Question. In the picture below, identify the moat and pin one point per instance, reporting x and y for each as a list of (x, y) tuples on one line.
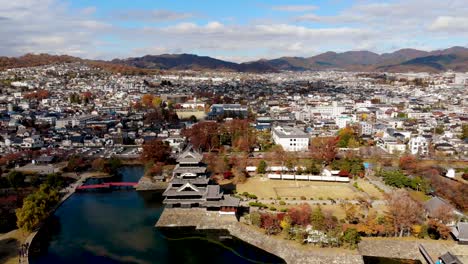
[(118, 227)]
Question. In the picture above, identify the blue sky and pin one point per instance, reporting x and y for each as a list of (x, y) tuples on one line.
[(233, 30)]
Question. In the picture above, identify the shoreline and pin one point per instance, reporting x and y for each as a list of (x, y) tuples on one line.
[(289, 251), (292, 252), (70, 190)]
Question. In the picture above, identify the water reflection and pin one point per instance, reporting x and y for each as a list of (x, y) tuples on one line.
[(118, 227)]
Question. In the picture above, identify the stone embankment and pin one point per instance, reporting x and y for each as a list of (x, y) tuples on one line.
[(290, 251), (407, 248), (146, 184)]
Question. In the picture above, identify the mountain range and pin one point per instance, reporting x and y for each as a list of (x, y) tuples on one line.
[(404, 60)]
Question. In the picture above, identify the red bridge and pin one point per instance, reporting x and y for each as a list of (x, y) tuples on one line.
[(107, 185)]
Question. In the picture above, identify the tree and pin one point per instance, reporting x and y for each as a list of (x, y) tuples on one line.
[(437, 230), (351, 213), (351, 237), (317, 218), (261, 168), (277, 153), (403, 212), (256, 219), (408, 162), (444, 214), (36, 207), (147, 100), (270, 223), (113, 164), (286, 224), (344, 136), (156, 102), (75, 163), (204, 136), (300, 215), (15, 179), (54, 180), (324, 149), (312, 167), (156, 151), (291, 161), (98, 164)]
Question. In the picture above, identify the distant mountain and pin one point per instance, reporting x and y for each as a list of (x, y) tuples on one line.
[(404, 60), (30, 60), (192, 62), (455, 58)]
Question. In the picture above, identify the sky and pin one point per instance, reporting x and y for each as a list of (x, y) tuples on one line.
[(238, 30)]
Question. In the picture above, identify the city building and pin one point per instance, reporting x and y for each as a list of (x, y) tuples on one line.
[(290, 138)]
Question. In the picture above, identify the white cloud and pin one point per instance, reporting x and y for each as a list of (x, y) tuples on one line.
[(52, 26), (449, 24), (294, 8), (156, 15)]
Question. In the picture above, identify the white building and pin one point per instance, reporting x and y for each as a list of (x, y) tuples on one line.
[(290, 138), (365, 128), (74, 121), (344, 120), (34, 141), (328, 110), (418, 145)]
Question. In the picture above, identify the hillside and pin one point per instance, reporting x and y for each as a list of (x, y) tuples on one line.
[(404, 60)]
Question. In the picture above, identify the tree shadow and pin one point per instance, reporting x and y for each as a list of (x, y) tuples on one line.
[(8, 249)]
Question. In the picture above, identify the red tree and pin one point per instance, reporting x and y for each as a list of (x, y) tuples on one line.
[(155, 151), (300, 215), (204, 136), (324, 149), (270, 223)]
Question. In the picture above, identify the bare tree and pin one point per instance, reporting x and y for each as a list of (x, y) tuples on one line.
[(403, 212)]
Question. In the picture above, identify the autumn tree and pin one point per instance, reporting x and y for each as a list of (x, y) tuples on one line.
[(408, 162), (98, 164), (437, 229), (344, 136), (324, 149), (300, 215), (147, 100), (403, 212), (36, 207), (277, 154), (204, 136), (155, 151), (444, 214), (270, 223)]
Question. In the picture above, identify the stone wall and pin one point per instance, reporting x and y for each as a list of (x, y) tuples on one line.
[(290, 251)]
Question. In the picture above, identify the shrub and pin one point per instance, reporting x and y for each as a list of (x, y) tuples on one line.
[(272, 208), (258, 204), (255, 219), (252, 196), (303, 198), (351, 237), (282, 203)]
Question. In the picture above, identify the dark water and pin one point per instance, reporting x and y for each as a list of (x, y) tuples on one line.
[(118, 227)]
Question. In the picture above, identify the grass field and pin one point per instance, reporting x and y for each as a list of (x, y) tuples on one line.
[(266, 189), (370, 189)]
